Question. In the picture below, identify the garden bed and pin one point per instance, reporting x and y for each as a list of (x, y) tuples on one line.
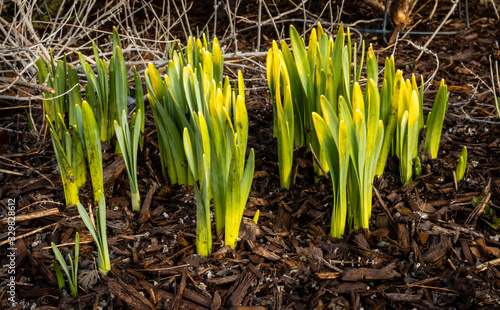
[(428, 243)]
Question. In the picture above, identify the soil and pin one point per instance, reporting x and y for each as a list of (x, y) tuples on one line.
[(429, 245)]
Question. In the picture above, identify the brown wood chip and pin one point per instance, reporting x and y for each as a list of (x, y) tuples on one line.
[(347, 287), (217, 302), (112, 171), (403, 236), (403, 297), (438, 249), (361, 274), (180, 292), (223, 280), (261, 251), (128, 294), (145, 212), (239, 289), (197, 297), (167, 298), (327, 275)]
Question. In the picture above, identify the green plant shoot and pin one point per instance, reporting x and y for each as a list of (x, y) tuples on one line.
[(106, 91), (220, 137), (333, 137), (73, 275), (461, 165), (168, 119), (68, 147), (390, 94), (87, 121), (59, 275), (98, 232), (65, 168), (284, 127), (408, 131), (128, 140), (256, 217), (417, 166), (139, 105), (56, 77), (435, 121), (365, 132), (199, 164)]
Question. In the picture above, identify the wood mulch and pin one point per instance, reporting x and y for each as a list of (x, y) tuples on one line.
[(429, 246)]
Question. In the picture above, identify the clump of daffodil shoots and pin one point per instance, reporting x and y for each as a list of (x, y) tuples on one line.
[(67, 138), (202, 128), (107, 94), (173, 99), (318, 100), (106, 98)]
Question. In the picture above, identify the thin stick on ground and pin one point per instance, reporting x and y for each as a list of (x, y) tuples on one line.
[(17, 81), (232, 22), (424, 49), (32, 216), (495, 98), (35, 231), (185, 15), (272, 20), (27, 167), (180, 20), (495, 8), (259, 26), (339, 15)]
